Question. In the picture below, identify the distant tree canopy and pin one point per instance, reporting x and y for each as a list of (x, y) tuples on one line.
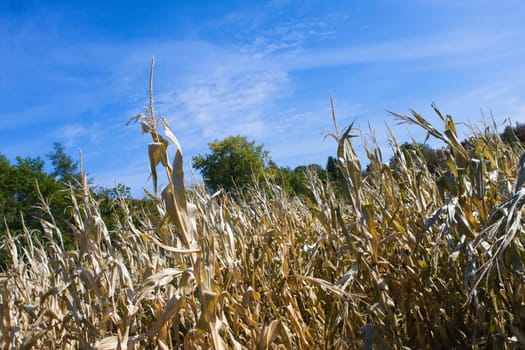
[(434, 158), (294, 181), (65, 168), (513, 134), (332, 169), (231, 162), (234, 161), (18, 189), (19, 196)]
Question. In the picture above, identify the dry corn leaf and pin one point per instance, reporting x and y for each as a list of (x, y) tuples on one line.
[(271, 332), (108, 343), (172, 307), (159, 279), (170, 248), (157, 154)]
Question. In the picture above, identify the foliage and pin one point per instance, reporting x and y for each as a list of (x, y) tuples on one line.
[(332, 169), (65, 168), (514, 134), (18, 190), (25, 184), (119, 191), (434, 160), (294, 182), (232, 162), (400, 261)]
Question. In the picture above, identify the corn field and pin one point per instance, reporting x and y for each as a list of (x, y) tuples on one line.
[(398, 258)]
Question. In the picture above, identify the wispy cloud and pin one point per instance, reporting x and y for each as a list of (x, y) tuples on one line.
[(72, 134), (458, 48), (231, 102)]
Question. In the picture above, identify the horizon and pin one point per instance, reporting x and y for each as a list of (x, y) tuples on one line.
[(263, 70)]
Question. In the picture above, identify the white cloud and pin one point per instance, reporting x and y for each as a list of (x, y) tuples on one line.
[(225, 102), (236, 91), (451, 47), (71, 133)]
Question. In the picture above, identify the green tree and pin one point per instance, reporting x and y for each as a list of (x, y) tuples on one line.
[(18, 193), (279, 176), (299, 179), (110, 205), (7, 195), (435, 159), (332, 169), (116, 192), (65, 168), (295, 182), (514, 134), (231, 162)]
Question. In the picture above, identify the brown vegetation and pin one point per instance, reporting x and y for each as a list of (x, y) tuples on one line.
[(416, 259)]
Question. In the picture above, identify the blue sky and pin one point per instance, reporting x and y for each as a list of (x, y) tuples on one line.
[(77, 71)]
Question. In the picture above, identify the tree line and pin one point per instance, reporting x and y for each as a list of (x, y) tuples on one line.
[(231, 164), (236, 162), (25, 183)]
